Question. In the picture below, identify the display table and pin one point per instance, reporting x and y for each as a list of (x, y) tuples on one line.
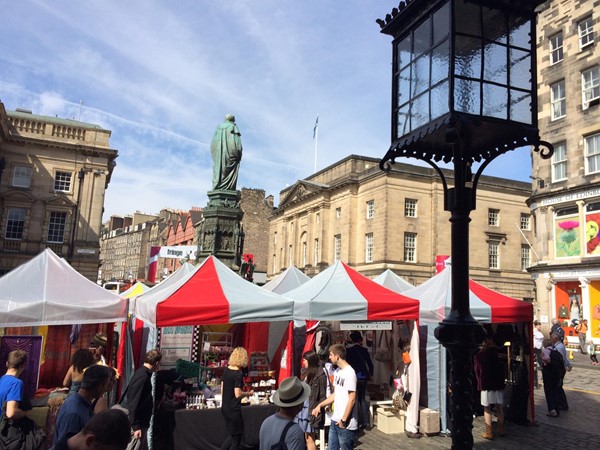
[(204, 429)]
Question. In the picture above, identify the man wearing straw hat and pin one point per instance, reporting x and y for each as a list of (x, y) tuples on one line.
[(280, 427)]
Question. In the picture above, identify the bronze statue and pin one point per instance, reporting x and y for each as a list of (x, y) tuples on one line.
[(226, 150)]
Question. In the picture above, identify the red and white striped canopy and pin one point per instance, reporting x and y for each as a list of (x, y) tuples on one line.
[(341, 293), (211, 294), (487, 306)]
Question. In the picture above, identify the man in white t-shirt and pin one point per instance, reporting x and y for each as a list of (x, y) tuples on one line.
[(344, 423)]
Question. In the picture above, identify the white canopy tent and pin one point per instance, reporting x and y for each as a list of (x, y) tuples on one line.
[(46, 290)]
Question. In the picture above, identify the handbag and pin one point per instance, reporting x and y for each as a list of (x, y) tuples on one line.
[(383, 353)]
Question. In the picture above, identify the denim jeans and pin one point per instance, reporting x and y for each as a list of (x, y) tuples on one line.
[(341, 438)]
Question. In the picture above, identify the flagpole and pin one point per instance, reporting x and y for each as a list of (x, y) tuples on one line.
[(316, 138)]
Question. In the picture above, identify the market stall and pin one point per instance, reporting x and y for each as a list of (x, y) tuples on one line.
[(394, 282), (209, 295), (487, 307), (340, 293)]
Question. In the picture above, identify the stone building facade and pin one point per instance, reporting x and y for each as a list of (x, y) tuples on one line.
[(565, 201), (125, 244), (373, 221), (257, 211), (53, 177)]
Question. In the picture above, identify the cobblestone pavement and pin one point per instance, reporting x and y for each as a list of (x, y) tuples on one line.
[(577, 428)]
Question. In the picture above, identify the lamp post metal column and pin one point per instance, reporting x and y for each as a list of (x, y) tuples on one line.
[(463, 93)]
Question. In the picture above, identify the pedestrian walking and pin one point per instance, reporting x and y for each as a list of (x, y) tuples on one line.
[(581, 330), (360, 360), (592, 352), (490, 375), (313, 375), (557, 344), (552, 366), (557, 328), (538, 341)]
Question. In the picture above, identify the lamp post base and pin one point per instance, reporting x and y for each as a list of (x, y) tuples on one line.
[(461, 337)]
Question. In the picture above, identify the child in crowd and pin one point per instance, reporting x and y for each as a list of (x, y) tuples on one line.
[(592, 352)]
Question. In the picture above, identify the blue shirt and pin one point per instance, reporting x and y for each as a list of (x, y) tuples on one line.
[(11, 389), (73, 415)]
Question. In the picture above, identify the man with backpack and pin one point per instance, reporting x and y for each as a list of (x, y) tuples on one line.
[(279, 432)]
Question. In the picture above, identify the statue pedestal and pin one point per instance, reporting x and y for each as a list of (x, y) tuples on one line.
[(220, 233)]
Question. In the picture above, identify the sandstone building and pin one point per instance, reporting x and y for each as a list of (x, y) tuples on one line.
[(53, 177), (565, 201), (373, 221)]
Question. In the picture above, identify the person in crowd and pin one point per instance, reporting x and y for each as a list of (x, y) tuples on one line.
[(140, 402), (81, 360), (581, 329), (344, 423), (360, 360), (11, 387), (551, 373), (538, 342), (107, 430), (232, 392), (490, 374), (78, 409), (557, 328), (558, 345), (314, 375), (98, 346), (290, 397), (592, 352)]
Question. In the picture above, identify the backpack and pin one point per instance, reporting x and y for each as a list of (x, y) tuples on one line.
[(557, 361), (281, 444)]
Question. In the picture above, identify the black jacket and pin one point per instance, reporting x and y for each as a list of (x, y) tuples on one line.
[(139, 398)]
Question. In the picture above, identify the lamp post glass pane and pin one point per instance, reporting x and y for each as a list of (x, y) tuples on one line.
[(422, 72)]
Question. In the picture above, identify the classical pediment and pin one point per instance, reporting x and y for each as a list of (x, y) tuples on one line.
[(300, 190)]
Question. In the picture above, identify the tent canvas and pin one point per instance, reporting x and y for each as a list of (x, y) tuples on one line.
[(341, 293), (289, 279), (392, 281), (435, 295), (211, 294), (46, 290)]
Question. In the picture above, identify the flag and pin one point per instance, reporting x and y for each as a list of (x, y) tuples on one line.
[(316, 127)]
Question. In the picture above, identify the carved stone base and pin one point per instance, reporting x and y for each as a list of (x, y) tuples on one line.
[(220, 233)]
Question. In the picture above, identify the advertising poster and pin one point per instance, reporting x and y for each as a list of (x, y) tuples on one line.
[(594, 313), (566, 232), (568, 306), (592, 238), (176, 343)]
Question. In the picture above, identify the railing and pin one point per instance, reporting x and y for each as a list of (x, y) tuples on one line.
[(11, 246), (28, 126), (64, 131), (56, 248)]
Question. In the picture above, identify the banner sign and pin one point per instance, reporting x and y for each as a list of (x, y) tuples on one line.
[(179, 252), (366, 325)]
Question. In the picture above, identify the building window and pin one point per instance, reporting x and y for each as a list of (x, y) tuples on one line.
[(337, 247), (558, 100), (56, 227), (556, 48), (369, 247), (525, 221), (494, 254), (592, 153), (525, 257), (586, 32), (559, 162), (62, 181), (370, 209), (15, 223), (275, 238), (316, 253), (410, 247), (275, 263), (338, 213), (21, 176), (493, 217), (304, 255), (318, 218), (590, 87), (291, 257), (410, 207)]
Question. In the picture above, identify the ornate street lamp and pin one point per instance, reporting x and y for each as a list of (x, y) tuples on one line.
[(463, 92)]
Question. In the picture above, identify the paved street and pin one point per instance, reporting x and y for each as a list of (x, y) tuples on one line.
[(574, 429)]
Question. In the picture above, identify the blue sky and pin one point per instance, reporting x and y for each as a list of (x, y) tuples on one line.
[(162, 75)]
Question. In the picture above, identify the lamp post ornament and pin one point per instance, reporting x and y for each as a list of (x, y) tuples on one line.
[(463, 92)]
